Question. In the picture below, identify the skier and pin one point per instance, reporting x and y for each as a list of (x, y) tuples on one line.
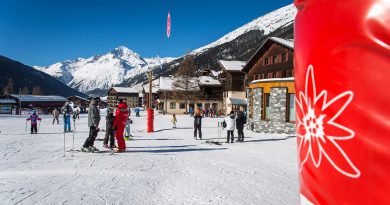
[(121, 116), (137, 110), (77, 112), (190, 111), (56, 115), (67, 111), (110, 134), (230, 121), (93, 123), (198, 124), (174, 121), (34, 120), (128, 124), (240, 121)]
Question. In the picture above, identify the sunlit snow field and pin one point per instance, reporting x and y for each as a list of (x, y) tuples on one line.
[(165, 167)]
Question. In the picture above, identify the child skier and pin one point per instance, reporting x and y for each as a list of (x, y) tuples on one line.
[(34, 119), (174, 121), (67, 111), (109, 130), (128, 136)]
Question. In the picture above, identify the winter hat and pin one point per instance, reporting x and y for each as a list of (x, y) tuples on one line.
[(34, 111)]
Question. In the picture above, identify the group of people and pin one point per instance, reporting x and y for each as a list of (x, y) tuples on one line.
[(115, 127), (206, 112), (230, 123)]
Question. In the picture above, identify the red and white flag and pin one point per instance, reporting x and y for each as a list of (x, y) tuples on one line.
[(169, 24)]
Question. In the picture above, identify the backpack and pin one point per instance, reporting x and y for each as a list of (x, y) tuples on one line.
[(224, 124)]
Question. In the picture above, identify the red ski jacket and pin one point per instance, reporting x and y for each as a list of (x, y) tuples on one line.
[(121, 115)]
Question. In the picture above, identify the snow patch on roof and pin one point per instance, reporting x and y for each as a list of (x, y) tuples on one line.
[(286, 42), (208, 80), (233, 65), (125, 90)]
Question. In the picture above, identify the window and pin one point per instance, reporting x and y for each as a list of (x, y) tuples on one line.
[(265, 61), (266, 107), (289, 73), (182, 106), (274, 75), (172, 105), (284, 57), (291, 108), (274, 59), (284, 74)]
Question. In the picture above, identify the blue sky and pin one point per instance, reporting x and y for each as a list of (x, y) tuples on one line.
[(43, 32)]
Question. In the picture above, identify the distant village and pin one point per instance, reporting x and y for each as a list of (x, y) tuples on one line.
[(263, 88)]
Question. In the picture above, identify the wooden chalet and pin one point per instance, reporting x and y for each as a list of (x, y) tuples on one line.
[(270, 87)]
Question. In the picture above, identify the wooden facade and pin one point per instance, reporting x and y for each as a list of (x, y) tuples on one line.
[(272, 60), (271, 87)]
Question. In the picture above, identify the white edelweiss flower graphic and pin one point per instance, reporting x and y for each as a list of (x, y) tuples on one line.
[(317, 130)]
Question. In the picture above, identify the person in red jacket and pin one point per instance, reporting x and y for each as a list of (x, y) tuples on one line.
[(119, 125)]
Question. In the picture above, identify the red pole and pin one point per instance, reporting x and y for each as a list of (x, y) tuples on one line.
[(150, 120)]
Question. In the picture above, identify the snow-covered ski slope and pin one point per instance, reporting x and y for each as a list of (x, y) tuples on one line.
[(166, 167)]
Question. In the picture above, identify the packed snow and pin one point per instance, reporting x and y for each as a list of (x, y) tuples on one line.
[(164, 167)]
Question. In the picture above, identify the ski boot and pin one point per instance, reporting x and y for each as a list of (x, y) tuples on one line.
[(93, 149), (85, 149)]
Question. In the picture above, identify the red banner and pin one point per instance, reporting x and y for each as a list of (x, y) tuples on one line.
[(342, 69)]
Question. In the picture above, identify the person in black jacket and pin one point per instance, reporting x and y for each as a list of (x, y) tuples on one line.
[(198, 125), (109, 130), (240, 121)]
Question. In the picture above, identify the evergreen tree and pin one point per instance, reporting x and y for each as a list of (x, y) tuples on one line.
[(9, 88), (25, 91), (37, 90)]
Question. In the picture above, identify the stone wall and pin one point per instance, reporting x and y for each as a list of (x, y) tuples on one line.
[(277, 122)]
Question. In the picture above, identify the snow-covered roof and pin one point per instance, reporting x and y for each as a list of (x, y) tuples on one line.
[(215, 73), (167, 83), (232, 65), (286, 42), (125, 90), (39, 98), (155, 90), (208, 80), (273, 80), (238, 101), (7, 101)]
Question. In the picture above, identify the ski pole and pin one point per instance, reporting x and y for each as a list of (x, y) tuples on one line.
[(25, 129), (64, 143), (74, 130), (39, 124)]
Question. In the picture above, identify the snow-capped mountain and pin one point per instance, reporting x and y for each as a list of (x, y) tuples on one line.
[(239, 44), (102, 71), (125, 67), (267, 23)]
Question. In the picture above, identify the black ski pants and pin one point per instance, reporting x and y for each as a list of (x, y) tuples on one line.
[(33, 128), (109, 135), (199, 130), (240, 134), (91, 138)]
